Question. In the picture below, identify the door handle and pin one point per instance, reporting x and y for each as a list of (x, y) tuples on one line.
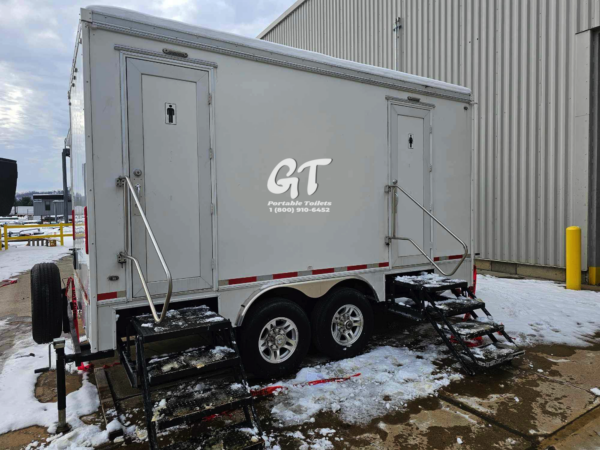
[(138, 188)]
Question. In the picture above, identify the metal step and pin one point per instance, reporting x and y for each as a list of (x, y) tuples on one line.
[(407, 308), (179, 323), (450, 307), (228, 438), (472, 329), (428, 283), (191, 401), (175, 366), (492, 354)]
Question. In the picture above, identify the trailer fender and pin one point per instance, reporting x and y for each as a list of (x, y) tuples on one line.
[(312, 289)]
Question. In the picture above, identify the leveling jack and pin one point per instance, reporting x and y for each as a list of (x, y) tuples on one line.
[(62, 359)]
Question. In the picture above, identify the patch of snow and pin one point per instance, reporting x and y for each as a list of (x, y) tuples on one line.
[(541, 311), (20, 258), (113, 426), (326, 431), (389, 378), (459, 441), (595, 391), (82, 437)]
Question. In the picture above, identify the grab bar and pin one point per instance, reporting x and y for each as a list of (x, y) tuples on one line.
[(121, 181), (393, 186)]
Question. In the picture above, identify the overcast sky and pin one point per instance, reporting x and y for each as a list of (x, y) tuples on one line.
[(37, 39)]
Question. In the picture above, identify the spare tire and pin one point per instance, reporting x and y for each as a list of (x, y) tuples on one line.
[(46, 303)]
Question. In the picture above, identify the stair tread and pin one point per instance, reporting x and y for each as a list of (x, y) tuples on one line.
[(493, 354), (455, 306), (227, 438), (187, 363), (179, 320), (196, 399), (475, 328), (429, 282)]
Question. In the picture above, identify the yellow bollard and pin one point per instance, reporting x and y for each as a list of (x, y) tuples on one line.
[(62, 234), (574, 258), (5, 237)]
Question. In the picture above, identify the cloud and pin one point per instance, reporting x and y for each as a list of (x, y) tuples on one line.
[(38, 38)]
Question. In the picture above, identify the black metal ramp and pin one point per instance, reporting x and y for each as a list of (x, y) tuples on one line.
[(440, 301), (194, 385)]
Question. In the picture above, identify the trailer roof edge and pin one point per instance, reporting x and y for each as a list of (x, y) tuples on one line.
[(130, 22)]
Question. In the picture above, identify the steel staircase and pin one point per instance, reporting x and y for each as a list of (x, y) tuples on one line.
[(193, 385), (422, 298)]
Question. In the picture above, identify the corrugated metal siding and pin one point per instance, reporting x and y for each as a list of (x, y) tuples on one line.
[(517, 57)]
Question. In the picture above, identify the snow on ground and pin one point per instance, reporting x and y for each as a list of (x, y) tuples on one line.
[(20, 258), (541, 311), (17, 386), (389, 378), (20, 409)]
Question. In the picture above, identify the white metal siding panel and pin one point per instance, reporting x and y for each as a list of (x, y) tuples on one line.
[(517, 56)]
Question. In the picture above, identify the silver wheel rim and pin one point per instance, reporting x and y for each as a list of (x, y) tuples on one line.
[(278, 340), (347, 325)]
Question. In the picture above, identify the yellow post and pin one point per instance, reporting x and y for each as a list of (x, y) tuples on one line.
[(574, 258), (5, 237), (62, 234)]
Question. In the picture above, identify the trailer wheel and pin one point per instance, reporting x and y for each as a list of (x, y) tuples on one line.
[(46, 303), (275, 338), (342, 323)]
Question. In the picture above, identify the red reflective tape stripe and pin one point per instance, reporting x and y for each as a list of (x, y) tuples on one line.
[(384, 264), (359, 267), (455, 257), (107, 296), (87, 250), (243, 280), (279, 276), (322, 271), (437, 258)]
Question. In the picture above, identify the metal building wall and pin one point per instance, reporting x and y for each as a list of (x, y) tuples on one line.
[(518, 58)]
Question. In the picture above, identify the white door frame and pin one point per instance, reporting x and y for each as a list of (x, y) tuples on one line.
[(409, 108), (210, 67)]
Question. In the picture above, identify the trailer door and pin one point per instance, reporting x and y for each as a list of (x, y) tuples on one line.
[(169, 164), (411, 167)]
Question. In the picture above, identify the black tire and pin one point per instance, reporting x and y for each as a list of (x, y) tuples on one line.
[(46, 303), (322, 318), (253, 326)]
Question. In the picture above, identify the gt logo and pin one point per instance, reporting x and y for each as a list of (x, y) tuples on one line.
[(282, 185)]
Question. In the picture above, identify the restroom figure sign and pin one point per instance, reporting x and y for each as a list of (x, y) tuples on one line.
[(170, 113)]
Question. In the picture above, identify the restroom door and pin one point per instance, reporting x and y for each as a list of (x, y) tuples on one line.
[(169, 144), (411, 167)]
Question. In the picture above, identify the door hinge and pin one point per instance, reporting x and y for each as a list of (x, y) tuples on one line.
[(211, 153), (212, 208), (430, 168), (214, 263), (210, 99)]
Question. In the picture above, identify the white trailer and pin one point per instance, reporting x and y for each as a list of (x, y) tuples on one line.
[(220, 181), (262, 171)]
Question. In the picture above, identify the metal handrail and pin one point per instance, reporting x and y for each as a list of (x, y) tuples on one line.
[(393, 186), (124, 256)]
